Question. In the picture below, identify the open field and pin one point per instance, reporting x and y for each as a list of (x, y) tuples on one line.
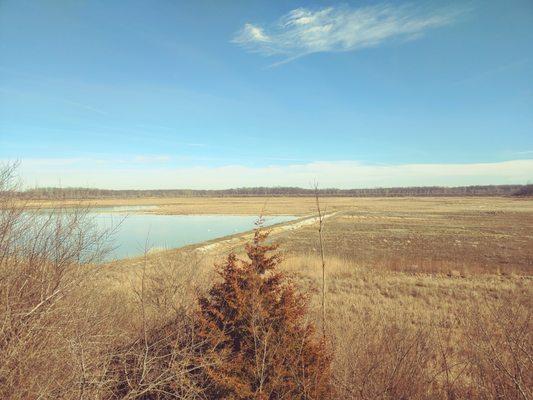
[(306, 205), (424, 296), (425, 299), (212, 205), (446, 235), (443, 283), (431, 235)]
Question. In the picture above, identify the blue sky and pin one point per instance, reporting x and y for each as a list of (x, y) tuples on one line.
[(145, 94)]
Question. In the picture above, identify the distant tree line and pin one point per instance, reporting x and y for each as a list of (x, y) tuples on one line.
[(524, 190), (421, 191)]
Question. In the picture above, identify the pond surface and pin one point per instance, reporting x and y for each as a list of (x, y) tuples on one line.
[(134, 229)]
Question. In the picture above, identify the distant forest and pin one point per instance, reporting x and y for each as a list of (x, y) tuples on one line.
[(88, 193)]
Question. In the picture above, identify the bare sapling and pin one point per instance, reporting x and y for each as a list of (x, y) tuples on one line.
[(323, 261)]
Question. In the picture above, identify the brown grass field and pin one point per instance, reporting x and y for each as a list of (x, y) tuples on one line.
[(443, 235), (304, 205), (429, 277), (426, 298)]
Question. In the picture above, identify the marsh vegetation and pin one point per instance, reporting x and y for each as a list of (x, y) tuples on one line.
[(425, 299)]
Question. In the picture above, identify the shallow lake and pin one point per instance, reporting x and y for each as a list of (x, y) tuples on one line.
[(134, 229)]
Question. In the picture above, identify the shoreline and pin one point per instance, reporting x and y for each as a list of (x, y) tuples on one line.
[(223, 244)]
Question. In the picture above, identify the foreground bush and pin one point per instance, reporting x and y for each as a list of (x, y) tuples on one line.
[(255, 322), (51, 329)]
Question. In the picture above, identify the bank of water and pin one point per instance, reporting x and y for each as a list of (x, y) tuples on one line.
[(135, 230)]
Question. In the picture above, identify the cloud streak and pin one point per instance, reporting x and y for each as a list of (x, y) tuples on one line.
[(340, 174), (339, 29)]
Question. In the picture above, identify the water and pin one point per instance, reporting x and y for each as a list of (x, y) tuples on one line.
[(133, 230)]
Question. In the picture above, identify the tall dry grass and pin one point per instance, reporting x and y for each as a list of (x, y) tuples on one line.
[(422, 336)]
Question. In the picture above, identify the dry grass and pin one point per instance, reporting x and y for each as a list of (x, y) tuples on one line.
[(216, 205), (420, 336), (434, 236), (426, 299), (479, 206), (457, 236)]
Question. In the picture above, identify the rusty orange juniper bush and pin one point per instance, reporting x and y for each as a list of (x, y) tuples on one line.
[(254, 320)]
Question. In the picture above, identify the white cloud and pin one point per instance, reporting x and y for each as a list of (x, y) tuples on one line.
[(303, 31), (254, 34), (341, 174)]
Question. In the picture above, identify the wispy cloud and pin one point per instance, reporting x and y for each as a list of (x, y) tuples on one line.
[(335, 29)]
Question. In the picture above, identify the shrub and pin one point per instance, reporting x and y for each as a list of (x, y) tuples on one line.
[(253, 326), (50, 328)]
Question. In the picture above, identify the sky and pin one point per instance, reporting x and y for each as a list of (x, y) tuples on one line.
[(210, 94)]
